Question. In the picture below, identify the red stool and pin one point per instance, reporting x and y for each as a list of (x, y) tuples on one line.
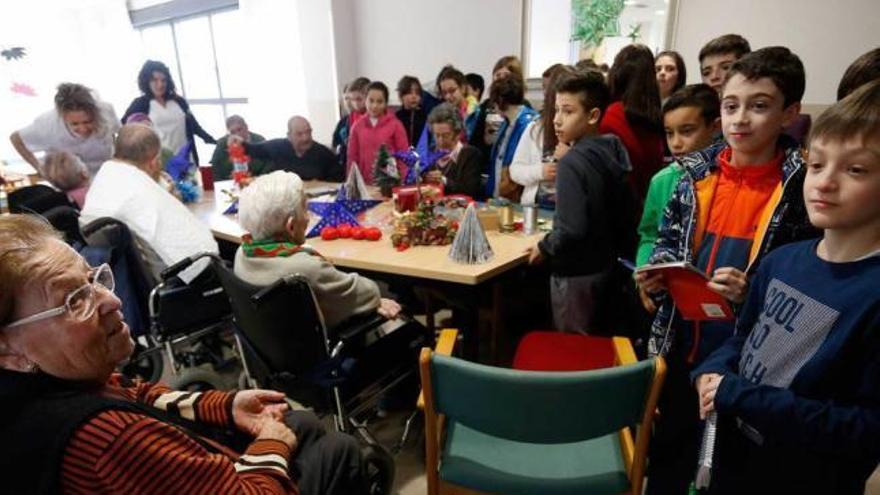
[(558, 351)]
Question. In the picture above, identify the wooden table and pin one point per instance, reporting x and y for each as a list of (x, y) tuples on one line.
[(425, 263)]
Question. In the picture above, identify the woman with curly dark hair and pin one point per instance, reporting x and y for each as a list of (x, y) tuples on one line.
[(168, 111), (79, 124)]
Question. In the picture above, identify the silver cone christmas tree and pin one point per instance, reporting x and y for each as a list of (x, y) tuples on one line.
[(354, 186), (470, 245)]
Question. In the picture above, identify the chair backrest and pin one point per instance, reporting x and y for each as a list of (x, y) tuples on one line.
[(36, 199), (133, 280), (281, 323), (541, 407), (65, 219)]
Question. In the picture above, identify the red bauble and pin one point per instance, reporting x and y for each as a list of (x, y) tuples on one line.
[(373, 234)]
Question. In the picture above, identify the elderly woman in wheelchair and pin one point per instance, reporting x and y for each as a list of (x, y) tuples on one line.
[(71, 424), (273, 210)]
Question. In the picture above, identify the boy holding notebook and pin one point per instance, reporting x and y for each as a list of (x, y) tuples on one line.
[(796, 389), (735, 203)]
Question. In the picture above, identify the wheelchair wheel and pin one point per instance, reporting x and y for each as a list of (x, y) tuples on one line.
[(147, 366), (378, 470), (196, 380)]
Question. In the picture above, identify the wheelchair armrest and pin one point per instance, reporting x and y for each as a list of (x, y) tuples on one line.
[(357, 325), (185, 263), (269, 290)]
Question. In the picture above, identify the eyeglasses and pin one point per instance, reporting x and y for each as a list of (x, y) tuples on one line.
[(81, 303)]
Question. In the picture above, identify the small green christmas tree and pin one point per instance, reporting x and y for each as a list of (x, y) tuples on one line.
[(385, 173)]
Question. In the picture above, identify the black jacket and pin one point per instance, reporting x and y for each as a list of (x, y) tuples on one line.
[(595, 210), (413, 122), (318, 163), (141, 104)]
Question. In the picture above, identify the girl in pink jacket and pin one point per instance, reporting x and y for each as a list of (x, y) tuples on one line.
[(379, 127)]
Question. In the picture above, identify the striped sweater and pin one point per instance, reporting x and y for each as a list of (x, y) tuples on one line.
[(127, 452)]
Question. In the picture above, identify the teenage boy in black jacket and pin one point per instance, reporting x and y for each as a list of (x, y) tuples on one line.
[(594, 220)]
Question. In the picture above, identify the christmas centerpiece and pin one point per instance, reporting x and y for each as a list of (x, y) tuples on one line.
[(422, 227)]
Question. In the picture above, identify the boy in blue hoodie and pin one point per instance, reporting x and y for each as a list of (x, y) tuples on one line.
[(594, 221), (737, 201), (797, 388)]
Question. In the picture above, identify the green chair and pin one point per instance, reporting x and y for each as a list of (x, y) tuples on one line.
[(510, 431)]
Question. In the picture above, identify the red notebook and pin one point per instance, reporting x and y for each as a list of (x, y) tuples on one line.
[(687, 286)]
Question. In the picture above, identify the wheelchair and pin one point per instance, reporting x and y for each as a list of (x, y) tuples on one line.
[(285, 345), (185, 323)]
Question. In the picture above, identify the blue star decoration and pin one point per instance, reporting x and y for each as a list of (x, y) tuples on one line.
[(338, 212), (415, 164)]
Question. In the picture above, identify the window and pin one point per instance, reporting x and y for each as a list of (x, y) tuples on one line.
[(640, 21), (201, 52)]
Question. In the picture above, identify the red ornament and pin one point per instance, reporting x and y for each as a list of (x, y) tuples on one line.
[(344, 230), (358, 233), (373, 234), (329, 233), (237, 154)]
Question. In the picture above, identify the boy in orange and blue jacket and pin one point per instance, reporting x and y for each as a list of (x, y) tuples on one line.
[(737, 201)]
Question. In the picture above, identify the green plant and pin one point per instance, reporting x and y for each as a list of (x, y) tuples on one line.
[(594, 20), (635, 32)]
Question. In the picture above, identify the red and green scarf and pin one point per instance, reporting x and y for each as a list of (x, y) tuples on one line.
[(273, 248)]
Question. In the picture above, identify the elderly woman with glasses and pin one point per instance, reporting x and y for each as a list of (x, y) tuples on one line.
[(458, 171), (70, 424)]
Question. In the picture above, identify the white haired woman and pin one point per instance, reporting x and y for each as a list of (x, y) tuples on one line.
[(69, 424), (273, 210), (68, 174)]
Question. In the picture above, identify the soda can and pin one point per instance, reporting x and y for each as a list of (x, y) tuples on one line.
[(530, 219)]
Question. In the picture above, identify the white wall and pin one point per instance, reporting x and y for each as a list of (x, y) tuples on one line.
[(344, 39), (826, 35), (390, 38), (549, 35)]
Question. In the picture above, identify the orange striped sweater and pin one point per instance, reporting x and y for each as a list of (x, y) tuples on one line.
[(128, 452)]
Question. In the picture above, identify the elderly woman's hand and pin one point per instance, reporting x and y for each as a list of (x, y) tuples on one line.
[(389, 308), (250, 407), (271, 429)]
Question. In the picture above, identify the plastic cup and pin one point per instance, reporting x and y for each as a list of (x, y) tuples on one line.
[(207, 178)]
